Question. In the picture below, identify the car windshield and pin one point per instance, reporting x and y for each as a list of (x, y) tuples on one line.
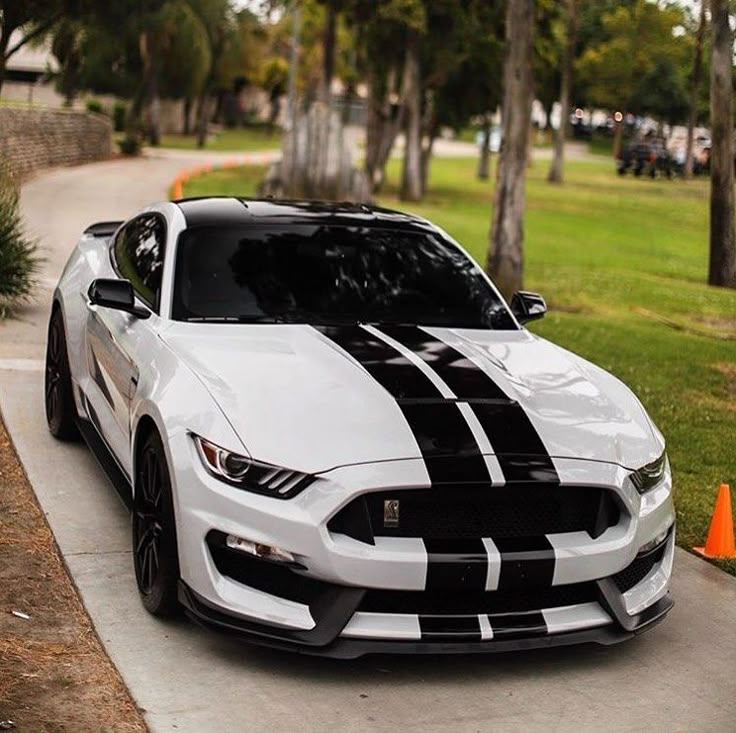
[(330, 274)]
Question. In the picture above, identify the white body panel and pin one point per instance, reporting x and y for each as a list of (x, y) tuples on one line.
[(267, 377)]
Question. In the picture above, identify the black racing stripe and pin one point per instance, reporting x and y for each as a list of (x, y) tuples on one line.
[(526, 562), (459, 373), (459, 565), (520, 450), (450, 628), (389, 367), (515, 441), (447, 444), (518, 625)]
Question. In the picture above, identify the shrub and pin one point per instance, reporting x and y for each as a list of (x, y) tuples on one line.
[(19, 261), (118, 116), (130, 145), (94, 105)]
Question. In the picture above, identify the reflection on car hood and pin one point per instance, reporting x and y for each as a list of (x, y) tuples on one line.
[(297, 398)]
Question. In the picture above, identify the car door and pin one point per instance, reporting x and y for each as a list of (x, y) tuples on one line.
[(116, 340)]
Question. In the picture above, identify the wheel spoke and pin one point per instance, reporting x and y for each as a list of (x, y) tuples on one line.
[(154, 552), (143, 539)]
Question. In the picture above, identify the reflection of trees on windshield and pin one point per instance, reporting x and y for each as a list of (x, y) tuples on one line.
[(317, 272)]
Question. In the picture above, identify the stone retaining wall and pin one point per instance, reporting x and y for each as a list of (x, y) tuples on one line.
[(31, 139)]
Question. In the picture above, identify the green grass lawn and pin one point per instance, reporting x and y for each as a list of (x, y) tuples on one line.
[(246, 138), (622, 263)]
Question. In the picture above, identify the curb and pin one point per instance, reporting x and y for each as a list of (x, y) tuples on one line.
[(176, 188)]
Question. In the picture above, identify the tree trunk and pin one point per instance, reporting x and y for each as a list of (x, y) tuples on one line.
[(328, 52), (427, 157), (383, 122), (186, 126), (695, 91), (151, 103), (505, 262), (347, 103), (411, 177), (202, 105), (558, 157), (722, 266), (154, 104), (484, 159), (618, 136)]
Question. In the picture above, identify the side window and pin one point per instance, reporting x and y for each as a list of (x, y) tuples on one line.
[(139, 256)]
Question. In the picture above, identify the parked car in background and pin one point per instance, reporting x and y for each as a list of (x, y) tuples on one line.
[(649, 158)]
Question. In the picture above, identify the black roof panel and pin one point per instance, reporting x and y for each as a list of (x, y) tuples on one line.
[(228, 210)]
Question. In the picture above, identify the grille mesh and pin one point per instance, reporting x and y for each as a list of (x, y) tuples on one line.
[(460, 512), (638, 570)]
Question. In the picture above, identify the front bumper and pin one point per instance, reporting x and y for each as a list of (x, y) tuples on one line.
[(339, 646), (355, 597)]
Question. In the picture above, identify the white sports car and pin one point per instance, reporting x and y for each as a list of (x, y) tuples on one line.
[(335, 436)]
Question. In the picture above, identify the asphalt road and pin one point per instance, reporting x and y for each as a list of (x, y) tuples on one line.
[(681, 676)]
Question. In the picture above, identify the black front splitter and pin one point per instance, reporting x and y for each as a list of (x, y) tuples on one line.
[(215, 619)]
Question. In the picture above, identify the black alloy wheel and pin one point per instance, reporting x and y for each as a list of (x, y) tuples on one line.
[(154, 531), (58, 395)]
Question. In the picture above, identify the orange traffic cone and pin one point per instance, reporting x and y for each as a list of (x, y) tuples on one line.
[(720, 541)]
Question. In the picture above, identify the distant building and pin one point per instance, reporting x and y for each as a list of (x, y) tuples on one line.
[(28, 73)]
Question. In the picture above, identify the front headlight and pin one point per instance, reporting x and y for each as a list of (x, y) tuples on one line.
[(245, 473), (647, 477)]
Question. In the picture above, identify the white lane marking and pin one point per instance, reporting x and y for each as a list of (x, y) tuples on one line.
[(415, 359), (486, 632), (22, 365), (494, 564), (492, 464)]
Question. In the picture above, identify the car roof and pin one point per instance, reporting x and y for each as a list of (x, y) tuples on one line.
[(231, 210)]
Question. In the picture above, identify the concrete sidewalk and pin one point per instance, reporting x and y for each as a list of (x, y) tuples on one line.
[(678, 677)]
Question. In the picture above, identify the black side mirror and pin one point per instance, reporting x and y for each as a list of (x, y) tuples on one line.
[(528, 306), (115, 294)]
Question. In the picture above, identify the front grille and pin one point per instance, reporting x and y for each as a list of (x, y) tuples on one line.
[(639, 569), (488, 602), (460, 512)]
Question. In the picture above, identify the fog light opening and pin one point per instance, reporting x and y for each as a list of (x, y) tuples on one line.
[(261, 551), (655, 543)]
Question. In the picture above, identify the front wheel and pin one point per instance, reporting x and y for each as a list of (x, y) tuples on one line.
[(58, 396), (155, 554)]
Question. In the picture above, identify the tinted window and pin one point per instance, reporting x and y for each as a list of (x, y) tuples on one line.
[(139, 256), (317, 274)]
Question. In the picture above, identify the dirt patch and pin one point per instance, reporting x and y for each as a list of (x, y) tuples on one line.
[(719, 323), (729, 371), (567, 307), (54, 674)]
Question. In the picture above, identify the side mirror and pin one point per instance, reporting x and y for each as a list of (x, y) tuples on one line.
[(115, 294), (528, 306)]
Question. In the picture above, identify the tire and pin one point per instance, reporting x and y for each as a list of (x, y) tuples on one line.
[(61, 412), (155, 553)]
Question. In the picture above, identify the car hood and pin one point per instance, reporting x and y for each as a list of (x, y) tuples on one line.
[(296, 399)]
